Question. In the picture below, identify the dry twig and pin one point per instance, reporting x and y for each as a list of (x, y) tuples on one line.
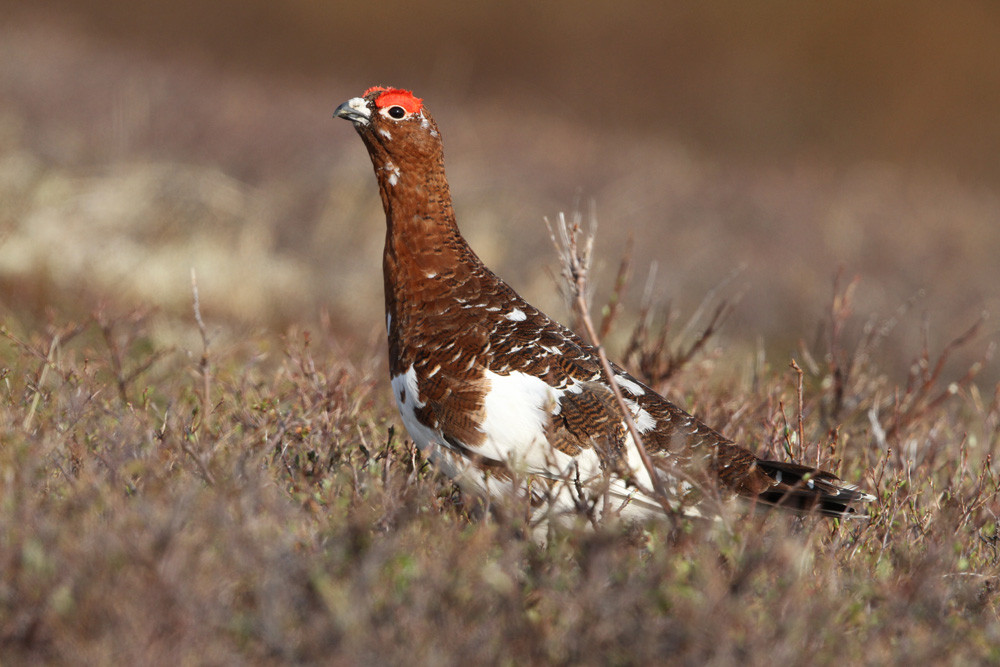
[(204, 367), (576, 262)]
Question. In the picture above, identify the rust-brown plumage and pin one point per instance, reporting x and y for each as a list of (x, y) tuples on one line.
[(493, 390)]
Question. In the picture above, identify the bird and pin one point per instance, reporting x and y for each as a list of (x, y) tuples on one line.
[(509, 403)]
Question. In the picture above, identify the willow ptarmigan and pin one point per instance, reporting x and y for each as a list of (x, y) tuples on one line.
[(505, 400)]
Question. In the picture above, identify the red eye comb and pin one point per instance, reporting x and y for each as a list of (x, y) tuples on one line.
[(396, 97)]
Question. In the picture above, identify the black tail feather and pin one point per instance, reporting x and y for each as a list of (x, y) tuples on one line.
[(810, 491)]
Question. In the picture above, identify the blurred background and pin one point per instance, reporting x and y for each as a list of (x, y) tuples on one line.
[(140, 140)]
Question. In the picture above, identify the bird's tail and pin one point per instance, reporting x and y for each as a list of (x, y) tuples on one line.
[(811, 491)]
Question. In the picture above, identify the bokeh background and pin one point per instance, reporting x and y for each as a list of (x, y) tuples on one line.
[(796, 140)]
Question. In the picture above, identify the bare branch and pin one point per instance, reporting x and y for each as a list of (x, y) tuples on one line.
[(575, 268), (204, 367)]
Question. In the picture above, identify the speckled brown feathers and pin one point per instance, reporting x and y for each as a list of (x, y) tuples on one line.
[(493, 390)]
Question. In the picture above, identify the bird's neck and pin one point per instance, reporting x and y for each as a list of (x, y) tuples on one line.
[(418, 212), (425, 255)]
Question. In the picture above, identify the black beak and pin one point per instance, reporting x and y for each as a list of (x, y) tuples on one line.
[(354, 110)]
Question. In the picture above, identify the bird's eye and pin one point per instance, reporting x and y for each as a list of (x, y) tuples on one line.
[(396, 112)]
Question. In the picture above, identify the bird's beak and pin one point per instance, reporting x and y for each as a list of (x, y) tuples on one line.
[(354, 110)]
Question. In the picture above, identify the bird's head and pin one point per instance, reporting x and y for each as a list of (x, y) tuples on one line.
[(393, 124)]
